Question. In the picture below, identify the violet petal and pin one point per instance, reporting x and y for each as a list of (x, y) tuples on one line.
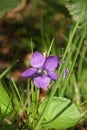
[(53, 75), (42, 81), (29, 73), (51, 63), (37, 60)]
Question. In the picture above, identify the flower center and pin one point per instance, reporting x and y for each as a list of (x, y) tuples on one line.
[(42, 71)]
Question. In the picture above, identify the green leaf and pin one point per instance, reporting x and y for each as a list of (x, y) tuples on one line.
[(61, 113), (6, 5), (75, 7), (5, 101)]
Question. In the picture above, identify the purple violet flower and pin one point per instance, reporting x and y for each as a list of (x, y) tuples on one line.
[(42, 69)]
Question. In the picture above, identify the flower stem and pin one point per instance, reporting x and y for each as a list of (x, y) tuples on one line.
[(28, 99), (50, 47)]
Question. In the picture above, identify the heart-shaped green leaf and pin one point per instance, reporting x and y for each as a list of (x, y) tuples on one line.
[(60, 114)]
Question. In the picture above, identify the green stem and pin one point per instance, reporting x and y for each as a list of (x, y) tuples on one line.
[(31, 46), (37, 95), (16, 89), (42, 34), (33, 103), (67, 60), (84, 102), (73, 33), (50, 47), (84, 49), (8, 69), (28, 99)]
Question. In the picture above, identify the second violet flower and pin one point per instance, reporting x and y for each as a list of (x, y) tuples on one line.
[(42, 69)]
